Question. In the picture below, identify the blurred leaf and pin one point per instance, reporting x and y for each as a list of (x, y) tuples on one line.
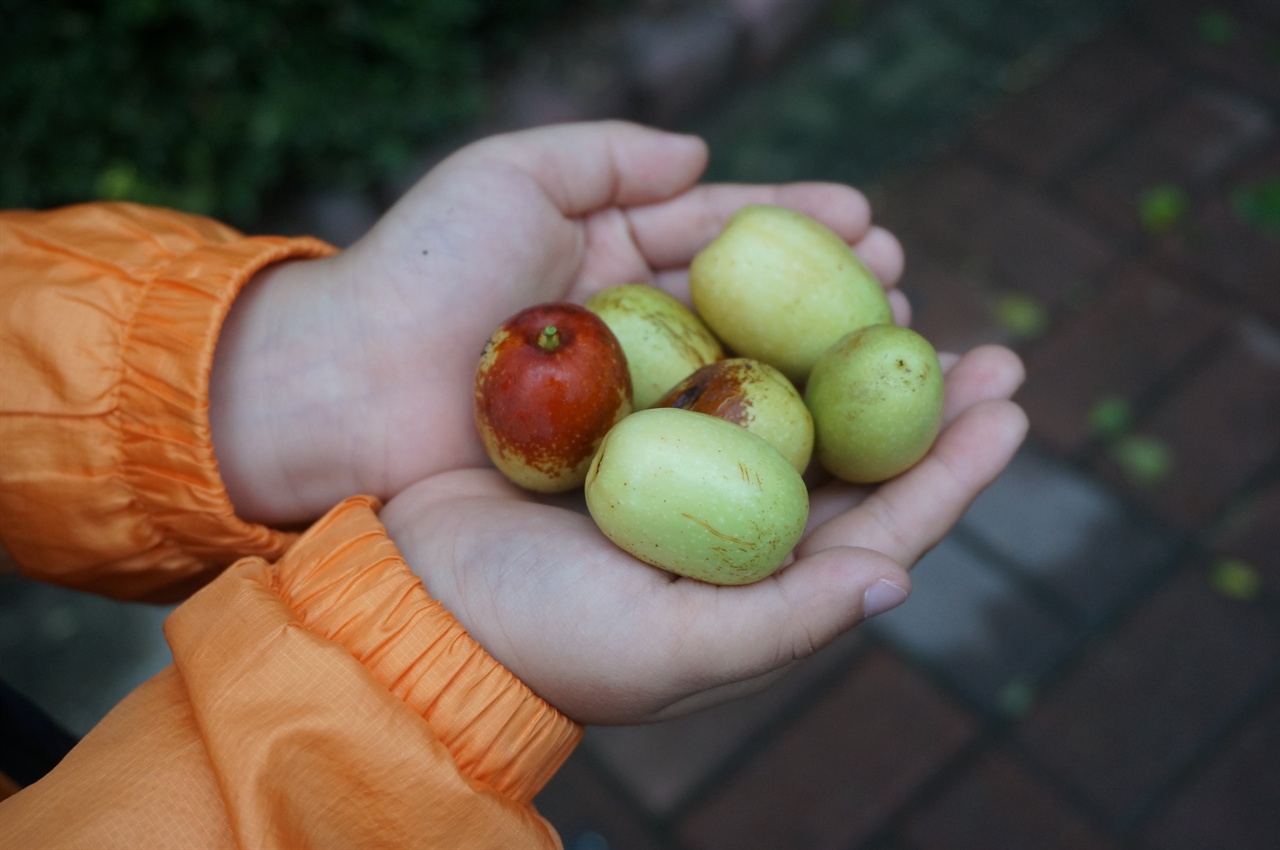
[(1216, 27), (1259, 204), (1145, 461), (1162, 208), (1235, 579), (1111, 416), (1021, 315)]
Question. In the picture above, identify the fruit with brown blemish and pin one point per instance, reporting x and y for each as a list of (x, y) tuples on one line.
[(697, 496), (663, 339), (779, 286), (754, 395), (876, 400), (551, 382)]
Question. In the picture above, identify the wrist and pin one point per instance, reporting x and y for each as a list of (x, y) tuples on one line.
[(274, 400)]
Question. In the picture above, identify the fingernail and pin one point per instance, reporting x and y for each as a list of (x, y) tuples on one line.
[(882, 596)]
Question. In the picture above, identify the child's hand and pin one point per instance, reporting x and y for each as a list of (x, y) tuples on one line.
[(354, 374), (609, 640)]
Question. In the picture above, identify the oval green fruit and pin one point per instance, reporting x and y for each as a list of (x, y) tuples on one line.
[(697, 496), (779, 286), (756, 396), (876, 400), (663, 339)]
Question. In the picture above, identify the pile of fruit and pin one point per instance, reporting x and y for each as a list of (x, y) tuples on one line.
[(691, 459)]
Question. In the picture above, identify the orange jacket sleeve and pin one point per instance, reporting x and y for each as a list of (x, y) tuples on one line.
[(318, 696)]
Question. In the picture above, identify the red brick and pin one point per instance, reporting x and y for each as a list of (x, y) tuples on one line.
[(1221, 425), (1235, 801), (832, 778), (1141, 702), (998, 804), (1252, 534), (951, 304), (1129, 337), (1193, 141), (660, 764), (1246, 58), (1239, 257), (1023, 239), (1075, 109)]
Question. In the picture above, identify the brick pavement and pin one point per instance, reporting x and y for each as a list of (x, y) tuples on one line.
[(1092, 659)]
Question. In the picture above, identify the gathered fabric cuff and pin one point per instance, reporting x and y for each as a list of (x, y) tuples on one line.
[(345, 581), (110, 314)]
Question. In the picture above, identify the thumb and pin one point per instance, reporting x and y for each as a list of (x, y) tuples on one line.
[(759, 628)]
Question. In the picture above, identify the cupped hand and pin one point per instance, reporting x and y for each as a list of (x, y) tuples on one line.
[(610, 640), (354, 374)]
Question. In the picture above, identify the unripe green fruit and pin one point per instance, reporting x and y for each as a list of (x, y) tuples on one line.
[(876, 400), (696, 495), (779, 286), (663, 339)]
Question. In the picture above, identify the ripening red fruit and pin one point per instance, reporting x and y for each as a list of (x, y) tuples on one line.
[(551, 383)]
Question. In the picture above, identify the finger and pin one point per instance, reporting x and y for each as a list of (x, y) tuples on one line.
[(906, 516), (670, 233), (753, 630), (901, 307), (882, 253), (588, 166), (984, 373)]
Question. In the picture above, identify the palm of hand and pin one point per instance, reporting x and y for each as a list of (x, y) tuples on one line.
[(607, 639)]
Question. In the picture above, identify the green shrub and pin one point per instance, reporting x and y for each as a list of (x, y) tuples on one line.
[(212, 105)]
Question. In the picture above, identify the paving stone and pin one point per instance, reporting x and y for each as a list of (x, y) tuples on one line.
[(1251, 534), (1234, 38), (998, 805), (1069, 532), (662, 763), (589, 815), (1235, 801), (1026, 241), (1238, 256), (1220, 427), (1131, 335), (1141, 702), (951, 305), (1192, 142), (974, 627), (75, 654), (831, 779), (1053, 124)]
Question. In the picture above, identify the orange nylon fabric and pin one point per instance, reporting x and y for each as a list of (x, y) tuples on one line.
[(321, 700), (110, 314)]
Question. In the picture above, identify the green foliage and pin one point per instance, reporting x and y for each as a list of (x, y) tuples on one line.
[(210, 105)]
